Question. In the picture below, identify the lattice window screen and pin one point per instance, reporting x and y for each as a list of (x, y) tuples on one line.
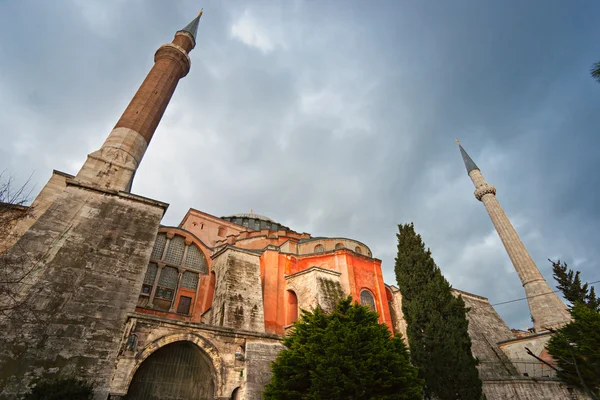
[(195, 260), (159, 246), (150, 274), (168, 278), (175, 250), (189, 280)]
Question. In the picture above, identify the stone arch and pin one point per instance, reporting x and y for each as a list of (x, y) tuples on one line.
[(203, 344)]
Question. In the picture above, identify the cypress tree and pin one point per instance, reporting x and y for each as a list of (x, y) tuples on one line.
[(436, 323), (346, 354), (576, 346)]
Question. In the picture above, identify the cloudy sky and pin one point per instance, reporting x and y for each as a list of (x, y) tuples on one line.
[(334, 118)]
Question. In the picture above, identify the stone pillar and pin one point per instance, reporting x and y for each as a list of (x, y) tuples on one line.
[(546, 308)]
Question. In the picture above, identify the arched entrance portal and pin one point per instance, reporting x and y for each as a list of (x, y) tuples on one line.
[(178, 370)]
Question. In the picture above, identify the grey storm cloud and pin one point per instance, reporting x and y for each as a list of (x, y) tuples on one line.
[(333, 118)]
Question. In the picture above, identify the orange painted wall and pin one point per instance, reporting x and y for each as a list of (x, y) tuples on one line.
[(362, 272)]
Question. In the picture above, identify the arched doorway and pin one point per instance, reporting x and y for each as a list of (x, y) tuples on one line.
[(178, 370)]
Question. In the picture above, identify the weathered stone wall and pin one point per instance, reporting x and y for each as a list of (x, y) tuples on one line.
[(486, 329), (530, 389), (248, 373), (516, 351), (89, 251), (238, 301), (316, 287), (259, 355), (53, 188), (398, 321)]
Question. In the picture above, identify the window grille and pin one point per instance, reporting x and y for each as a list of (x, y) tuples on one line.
[(358, 250), (339, 246), (366, 299), (195, 260), (319, 248), (189, 280), (150, 274), (175, 250), (159, 246), (168, 277)]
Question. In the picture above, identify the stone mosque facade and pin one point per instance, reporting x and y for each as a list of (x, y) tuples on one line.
[(198, 310)]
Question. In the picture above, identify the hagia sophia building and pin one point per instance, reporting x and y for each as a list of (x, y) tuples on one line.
[(199, 310)]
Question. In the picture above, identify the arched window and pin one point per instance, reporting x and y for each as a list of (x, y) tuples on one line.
[(339, 246), (357, 250), (319, 248), (221, 231), (366, 299), (292, 308), (173, 274)]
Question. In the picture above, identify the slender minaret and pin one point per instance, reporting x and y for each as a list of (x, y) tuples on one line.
[(114, 164), (546, 308)]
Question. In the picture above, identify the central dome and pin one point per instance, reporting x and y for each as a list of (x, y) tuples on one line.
[(255, 222), (251, 215)]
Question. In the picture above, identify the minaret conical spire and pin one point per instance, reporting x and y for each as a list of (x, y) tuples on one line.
[(469, 163), (546, 308), (192, 27)]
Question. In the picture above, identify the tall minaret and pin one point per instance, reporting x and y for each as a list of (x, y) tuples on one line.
[(546, 308), (114, 164)]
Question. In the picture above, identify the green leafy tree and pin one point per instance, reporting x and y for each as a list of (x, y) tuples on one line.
[(345, 354), (576, 346), (595, 71), (436, 323), (569, 283)]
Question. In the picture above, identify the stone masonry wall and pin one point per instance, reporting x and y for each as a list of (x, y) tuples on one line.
[(486, 329), (90, 250), (53, 188), (247, 374), (238, 301), (259, 355), (316, 287), (529, 389)]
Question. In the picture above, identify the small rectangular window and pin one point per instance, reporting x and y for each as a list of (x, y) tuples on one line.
[(164, 293), (146, 289), (184, 305)]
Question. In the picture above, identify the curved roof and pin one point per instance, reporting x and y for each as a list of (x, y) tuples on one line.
[(254, 216)]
